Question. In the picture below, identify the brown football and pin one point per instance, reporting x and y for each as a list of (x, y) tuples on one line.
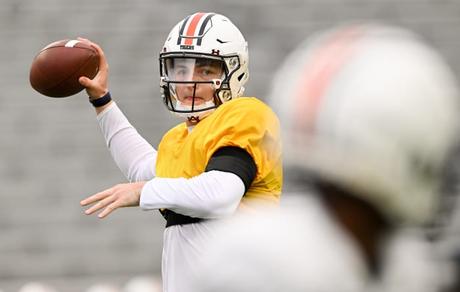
[(56, 68)]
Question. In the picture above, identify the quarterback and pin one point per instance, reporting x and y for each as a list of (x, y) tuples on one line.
[(224, 157)]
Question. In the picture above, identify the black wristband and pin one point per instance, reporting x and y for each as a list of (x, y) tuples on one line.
[(102, 100)]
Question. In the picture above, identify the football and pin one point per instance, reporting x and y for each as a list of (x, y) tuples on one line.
[(56, 68)]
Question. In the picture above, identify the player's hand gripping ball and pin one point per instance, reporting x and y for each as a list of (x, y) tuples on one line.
[(57, 67)]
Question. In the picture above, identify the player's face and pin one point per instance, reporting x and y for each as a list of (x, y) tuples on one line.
[(195, 70)]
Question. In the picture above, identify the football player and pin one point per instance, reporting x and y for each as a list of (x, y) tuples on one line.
[(370, 116), (224, 156)]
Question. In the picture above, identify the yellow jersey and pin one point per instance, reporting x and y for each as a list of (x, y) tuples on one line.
[(244, 122)]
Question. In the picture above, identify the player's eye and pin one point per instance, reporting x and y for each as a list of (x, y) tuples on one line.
[(208, 71)]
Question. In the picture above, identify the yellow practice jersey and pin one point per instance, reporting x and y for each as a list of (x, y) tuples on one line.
[(245, 122)]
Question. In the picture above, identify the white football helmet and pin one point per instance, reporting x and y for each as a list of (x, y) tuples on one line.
[(202, 40), (374, 109)]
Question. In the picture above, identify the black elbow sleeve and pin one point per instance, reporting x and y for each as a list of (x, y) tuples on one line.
[(235, 160)]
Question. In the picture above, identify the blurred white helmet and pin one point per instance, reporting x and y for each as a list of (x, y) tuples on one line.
[(371, 108), (204, 37)]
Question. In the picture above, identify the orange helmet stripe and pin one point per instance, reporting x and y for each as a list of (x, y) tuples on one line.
[(192, 28), (325, 64)]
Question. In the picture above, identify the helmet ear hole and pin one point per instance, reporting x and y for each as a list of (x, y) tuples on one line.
[(225, 95), (240, 77)]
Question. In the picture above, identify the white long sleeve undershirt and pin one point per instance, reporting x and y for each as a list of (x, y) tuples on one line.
[(211, 194), (133, 154)]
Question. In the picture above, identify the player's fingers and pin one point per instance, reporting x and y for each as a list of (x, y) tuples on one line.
[(85, 81), (100, 205), (103, 66), (85, 40), (109, 209), (102, 61), (96, 197)]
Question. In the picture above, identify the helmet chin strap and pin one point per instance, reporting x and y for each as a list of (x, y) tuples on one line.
[(185, 111), (183, 107)]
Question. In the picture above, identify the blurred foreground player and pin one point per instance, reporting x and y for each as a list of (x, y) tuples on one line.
[(224, 156), (369, 115)]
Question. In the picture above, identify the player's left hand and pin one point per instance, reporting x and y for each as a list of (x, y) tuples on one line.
[(118, 196)]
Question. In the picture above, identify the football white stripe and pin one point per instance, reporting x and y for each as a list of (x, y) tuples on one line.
[(71, 43)]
